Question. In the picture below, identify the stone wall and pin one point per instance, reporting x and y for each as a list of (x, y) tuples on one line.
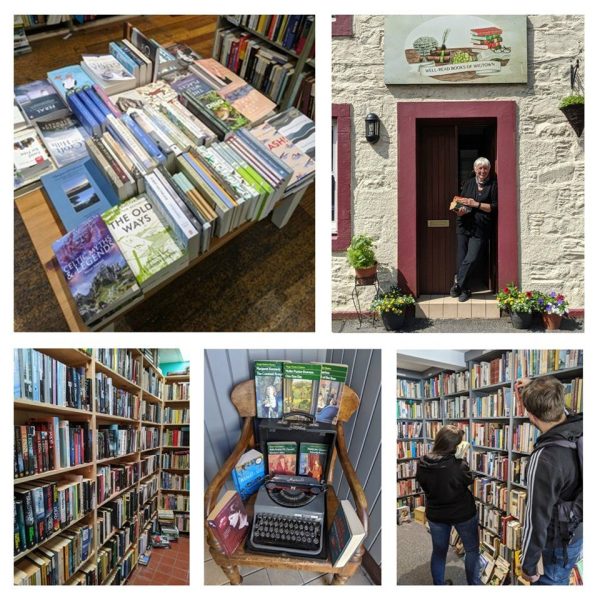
[(550, 156)]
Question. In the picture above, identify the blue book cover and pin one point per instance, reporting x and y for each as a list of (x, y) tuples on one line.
[(16, 375), (92, 94), (144, 139), (39, 99), (248, 473), (128, 63), (191, 84), (98, 115), (79, 191), (83, 114), (65, 139), (69, 78)]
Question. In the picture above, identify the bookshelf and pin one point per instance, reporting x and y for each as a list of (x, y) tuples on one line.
[(122, 491), (482, 399), (302, 60)]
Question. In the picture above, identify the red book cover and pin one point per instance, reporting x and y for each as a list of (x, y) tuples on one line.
[(487, 31), (229, 522)]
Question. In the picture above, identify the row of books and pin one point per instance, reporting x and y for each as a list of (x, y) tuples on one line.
[(175, 502), (493, 405), (408, 409), (148, 490), (490, 518), (45, 507), (117, 512), (149, 438), (432, 409), (518, 470), (524, 437), (182, 522), (173, 481), (574, 395), (176, 437), (121, 360), (411, 502), (406, 469), (175, 460), (179, 416), (177, 391), (114, 440), (149, 463), (453, 383), (284, 387), (407, 487), (432, 428), (292, 458), (497, 370), (111, 479), (40, 378), (420, 389), (409, 430), (457, 408), (49, 443), (113, 400), (152, 382), (150, 411), (490, 463), (490, 435), (411, 449), (491, 492), (531, 363)]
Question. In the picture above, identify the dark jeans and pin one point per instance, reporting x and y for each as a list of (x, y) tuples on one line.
[(468, 249), (440, 538), (555, 570)]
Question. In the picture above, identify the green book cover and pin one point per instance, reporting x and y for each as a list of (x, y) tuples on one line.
[(222, 111), (282, 458), (313, 460), (268, 377), (301, 383), (145, 242), (331, 389)]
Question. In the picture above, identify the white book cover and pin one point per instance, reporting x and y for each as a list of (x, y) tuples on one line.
[(107, 69)]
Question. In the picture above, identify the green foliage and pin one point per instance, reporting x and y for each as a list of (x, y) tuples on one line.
[(361, 253), (461, 57), (571, 100), (393, 301)]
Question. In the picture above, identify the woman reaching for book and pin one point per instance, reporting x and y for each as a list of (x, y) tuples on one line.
[(445, 478)]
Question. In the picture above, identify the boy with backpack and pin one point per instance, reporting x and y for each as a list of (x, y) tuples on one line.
[(553, 522)]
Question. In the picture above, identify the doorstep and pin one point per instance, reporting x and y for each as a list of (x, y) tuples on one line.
[(479, 306)]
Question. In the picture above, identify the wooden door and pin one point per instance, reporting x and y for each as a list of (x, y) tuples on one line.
[(437, 183)]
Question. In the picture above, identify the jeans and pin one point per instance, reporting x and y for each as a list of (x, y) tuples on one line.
[(468, 249), (440, 538), (555, 571)]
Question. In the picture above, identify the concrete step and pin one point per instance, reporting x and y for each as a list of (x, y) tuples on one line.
[(479, 306)]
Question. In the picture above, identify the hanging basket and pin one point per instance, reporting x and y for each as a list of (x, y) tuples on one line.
[(574, 114)]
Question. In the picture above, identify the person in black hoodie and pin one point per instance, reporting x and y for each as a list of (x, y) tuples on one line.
[(473, 225), (445, 479), (554, 482)]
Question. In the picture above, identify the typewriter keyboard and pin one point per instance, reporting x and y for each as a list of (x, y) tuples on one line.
[(293, 533)]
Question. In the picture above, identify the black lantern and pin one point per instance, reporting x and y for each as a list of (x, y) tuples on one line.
[(372, 128)]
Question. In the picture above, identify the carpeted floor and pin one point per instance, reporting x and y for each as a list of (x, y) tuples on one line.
[(414, 552), (263, 280)]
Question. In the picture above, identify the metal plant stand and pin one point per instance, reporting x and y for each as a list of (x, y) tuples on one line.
[(356, 298)]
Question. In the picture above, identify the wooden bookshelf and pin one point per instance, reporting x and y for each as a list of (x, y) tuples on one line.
[(24, 408), (472, 393)]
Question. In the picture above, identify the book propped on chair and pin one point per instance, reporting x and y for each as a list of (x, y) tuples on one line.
[(229, 522), (345, 534)]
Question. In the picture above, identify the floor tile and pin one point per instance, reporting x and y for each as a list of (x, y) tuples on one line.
[(284, 577), (257, 578), (213, 574)]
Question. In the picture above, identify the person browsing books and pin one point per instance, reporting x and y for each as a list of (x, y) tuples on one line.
[(473, 225), (553, 523), (445, 478)]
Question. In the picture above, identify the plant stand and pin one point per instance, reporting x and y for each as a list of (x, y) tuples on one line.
[(356, 298)]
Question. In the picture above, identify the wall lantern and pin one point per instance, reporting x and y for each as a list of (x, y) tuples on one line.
[(372, 128)]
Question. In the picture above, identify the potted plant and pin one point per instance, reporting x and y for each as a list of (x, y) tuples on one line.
[(573, 109), (361, 256), (555, 307), (519, 305), (393, 307)]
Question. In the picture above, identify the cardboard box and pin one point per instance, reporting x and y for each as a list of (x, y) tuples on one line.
[(420, 515)]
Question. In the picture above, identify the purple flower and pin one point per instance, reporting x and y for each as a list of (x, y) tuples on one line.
[(540, 301), (553, 294)]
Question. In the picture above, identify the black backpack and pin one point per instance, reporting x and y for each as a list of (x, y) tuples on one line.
[(568, 513)]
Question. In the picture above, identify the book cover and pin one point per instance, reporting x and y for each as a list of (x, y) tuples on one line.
[(282, 458), (268, 377), (300, 387), (222, 111), (30, 157), (249, 473), (183, 53), (247, 100), (331, 388), (79, 191), (297, 127), (457, 204), (107, 70), (97, 274), (65, 139), (191, 84), (39, 100), (69, 78), (313, 460), (346, 533), (229, 522), (146, 243)]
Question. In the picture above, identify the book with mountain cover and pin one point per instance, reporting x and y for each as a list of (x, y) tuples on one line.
[(39, 100), (64, 138), (300, 387)]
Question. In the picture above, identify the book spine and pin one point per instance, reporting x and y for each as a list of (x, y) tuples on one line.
[(83, 114), (144, 139)]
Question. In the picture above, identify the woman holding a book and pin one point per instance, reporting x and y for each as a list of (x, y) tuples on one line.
[(445, 478), (475, 213)]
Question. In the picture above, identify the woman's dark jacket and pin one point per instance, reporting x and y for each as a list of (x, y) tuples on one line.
[(478, 223), (445, 481)]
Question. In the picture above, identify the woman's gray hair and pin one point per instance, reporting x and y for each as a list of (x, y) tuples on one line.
[(482, 161)]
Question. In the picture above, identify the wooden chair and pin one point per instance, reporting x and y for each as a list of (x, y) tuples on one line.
[(243, 398)]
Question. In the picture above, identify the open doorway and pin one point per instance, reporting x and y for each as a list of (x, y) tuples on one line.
[(446, 149)]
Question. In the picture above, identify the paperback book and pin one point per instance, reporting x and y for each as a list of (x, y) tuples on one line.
[(300, 387), (313, 460), (228, 522), (282, 458), (64, 138), (67, 79), (346, 533), (39, 100), (331, 388), (30, 158), (268, 377), (249, 473)]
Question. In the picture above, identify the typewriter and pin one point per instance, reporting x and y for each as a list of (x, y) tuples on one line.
[(289, 517)]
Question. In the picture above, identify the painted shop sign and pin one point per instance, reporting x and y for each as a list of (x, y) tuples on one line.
[(455, 49)]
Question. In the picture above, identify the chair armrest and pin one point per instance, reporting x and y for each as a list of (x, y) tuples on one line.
[(356, 489), (212, 492)]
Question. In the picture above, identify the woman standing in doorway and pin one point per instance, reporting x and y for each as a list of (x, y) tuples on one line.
[(474, 225), (445, 478)]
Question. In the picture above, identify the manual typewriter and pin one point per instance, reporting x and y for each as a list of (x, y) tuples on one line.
[(289, 517)]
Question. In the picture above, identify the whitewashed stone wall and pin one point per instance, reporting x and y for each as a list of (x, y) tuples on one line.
[(550, 156)]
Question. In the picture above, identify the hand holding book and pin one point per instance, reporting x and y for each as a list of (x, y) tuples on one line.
[(461, 205)]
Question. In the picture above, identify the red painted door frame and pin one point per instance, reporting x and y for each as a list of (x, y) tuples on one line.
[(505, 113)]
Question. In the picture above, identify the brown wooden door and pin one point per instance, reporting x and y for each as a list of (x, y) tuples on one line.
[(437, 183)]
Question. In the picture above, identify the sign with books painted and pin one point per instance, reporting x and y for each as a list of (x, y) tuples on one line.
[(448, 49)]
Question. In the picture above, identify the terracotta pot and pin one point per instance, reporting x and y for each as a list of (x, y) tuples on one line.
[(366, 276), (575, 115), (521, 320), (392, 321), (551, 321)]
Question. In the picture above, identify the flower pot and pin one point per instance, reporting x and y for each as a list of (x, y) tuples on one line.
[(392, 321), (521, 320), (575, 115), (366, 276), (552, 321)]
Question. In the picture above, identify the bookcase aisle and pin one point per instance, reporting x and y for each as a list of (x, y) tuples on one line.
[(91, 464), (481, 399)]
